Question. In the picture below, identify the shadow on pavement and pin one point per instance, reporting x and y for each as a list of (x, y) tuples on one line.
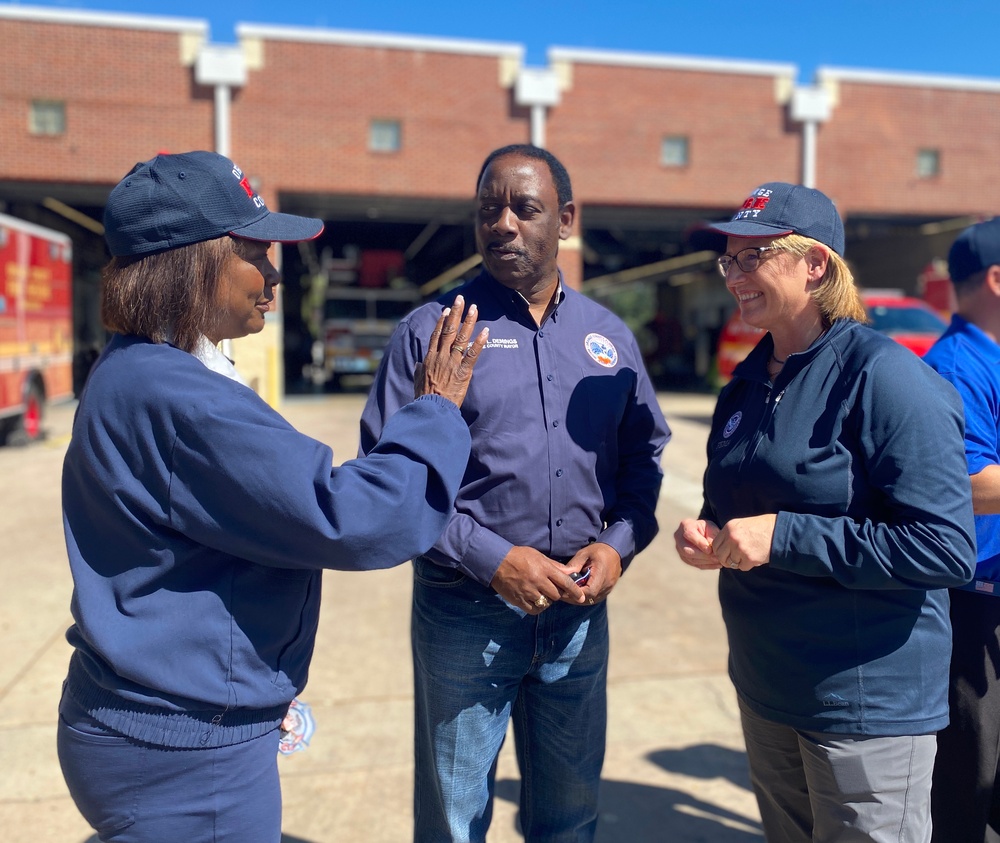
[(631, 812), (705, 761)]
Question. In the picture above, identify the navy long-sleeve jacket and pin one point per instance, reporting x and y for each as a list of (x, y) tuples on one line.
[(198, 522), (566, 430), (858, 448)]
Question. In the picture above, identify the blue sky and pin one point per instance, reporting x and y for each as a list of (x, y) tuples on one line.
[(961, 37)]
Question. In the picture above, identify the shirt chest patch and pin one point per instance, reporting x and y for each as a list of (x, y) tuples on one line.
[(601, 350)]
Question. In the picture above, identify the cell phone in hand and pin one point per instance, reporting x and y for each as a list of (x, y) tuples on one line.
[(580, 577)]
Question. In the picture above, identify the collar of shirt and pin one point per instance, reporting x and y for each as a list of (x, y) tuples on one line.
[(214, 359), (518, 298), (972, 333)]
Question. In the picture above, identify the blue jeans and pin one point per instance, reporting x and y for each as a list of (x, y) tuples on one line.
[(477, 663)]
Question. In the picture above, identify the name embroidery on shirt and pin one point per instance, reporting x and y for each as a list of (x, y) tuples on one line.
[(601, 350), (502, 342)]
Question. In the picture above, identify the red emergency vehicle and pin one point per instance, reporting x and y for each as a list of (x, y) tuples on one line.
[(36, 325)]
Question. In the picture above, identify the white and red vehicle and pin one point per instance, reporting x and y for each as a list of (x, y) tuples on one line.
[(36, 325)]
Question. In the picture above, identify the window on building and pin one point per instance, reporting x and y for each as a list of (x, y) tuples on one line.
[(384, 136), (674, 151), (928, 163), (48, 117)]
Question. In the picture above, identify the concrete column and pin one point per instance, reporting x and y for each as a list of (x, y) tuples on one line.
[(538, 89), (223, 120), (809, 106)]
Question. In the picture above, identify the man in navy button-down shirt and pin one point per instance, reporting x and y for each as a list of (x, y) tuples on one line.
[(563, 479)]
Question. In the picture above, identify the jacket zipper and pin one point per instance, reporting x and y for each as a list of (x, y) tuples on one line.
[(765, 420)]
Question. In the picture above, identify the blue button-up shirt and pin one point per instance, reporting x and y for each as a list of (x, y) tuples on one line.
[(566, 429)]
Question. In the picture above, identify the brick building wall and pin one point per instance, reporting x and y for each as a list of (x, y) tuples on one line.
[(303, 118), (301, 121), (868, 149), (615, 113), (127, 89)]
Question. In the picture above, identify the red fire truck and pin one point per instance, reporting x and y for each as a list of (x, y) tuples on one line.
[(36, 325)]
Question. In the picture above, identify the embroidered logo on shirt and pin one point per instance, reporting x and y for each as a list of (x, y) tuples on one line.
[(835, 701), (732, 424), (501, 342), (601, 349)]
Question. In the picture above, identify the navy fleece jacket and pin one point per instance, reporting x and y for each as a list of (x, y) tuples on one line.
[(197, 523)]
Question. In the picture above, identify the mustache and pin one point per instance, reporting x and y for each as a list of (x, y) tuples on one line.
[(506, 248)]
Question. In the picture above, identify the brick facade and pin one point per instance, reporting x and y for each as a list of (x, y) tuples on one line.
[(300, 126)]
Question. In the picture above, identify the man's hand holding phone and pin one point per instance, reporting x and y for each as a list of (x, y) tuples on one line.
[(599, 567)]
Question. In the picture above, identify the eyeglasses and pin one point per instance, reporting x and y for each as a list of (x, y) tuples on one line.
[(746, 259)]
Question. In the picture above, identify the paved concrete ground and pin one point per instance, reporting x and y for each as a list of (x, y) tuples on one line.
[(675, 768)]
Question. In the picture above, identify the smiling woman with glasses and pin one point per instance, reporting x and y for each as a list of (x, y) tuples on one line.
[(837, 511)]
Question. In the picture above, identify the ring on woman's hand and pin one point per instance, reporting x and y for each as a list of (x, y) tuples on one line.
[(459, 347), (542, 601), (732, 563)]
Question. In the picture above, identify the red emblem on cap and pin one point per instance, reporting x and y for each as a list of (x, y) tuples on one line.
[(756, 203)]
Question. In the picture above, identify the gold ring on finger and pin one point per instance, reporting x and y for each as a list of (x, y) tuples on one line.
[(459, 347), (542, 602)]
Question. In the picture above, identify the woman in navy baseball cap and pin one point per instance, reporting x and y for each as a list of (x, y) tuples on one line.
[(198, 521), (837, 511)]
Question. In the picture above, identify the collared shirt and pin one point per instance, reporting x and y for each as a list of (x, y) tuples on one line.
[(566, 429), (970, 360)]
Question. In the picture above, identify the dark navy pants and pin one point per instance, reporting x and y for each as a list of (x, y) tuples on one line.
[(133, 792)]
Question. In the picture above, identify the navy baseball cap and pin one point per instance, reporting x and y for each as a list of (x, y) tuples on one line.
[(776, 208), (975, 249), (177, 200)]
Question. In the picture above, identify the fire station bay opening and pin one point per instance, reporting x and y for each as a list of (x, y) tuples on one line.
[(653, 266), (379, 257)]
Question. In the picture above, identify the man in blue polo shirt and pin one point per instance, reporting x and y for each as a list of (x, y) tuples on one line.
[(563, 480), (965, 797)]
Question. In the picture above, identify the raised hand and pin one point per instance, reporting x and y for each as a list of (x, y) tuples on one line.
[(446, 369)]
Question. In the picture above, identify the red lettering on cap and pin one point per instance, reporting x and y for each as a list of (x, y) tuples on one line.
[(760, 203), (245, 184)]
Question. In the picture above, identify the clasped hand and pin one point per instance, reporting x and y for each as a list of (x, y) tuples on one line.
[(743, 543), (526, 575)]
